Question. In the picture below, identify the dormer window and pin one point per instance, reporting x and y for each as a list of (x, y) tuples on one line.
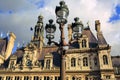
[(84, 45), (48, 64)]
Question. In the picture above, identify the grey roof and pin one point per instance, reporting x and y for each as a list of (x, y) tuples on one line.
[(91, 37), (101, 39), (116, 61)]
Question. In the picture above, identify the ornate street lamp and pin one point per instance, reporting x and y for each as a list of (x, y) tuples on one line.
[(50, 29), (62, 13), (77, 27)]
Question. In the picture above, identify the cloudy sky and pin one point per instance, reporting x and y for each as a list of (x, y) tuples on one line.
[(19, 15)]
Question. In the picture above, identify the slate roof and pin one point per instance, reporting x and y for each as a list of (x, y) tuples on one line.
[(91, 37), (19, 53), (116, 61), (46, 50), (101, 39)]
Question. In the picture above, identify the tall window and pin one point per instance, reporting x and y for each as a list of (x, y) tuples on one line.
[(85, 61), (26, 78), (95, 61), (8, 78), (17, 78), (57, 78), (84, 43), (36, 78), (73, 62), (0, 77), (48, 64), (46, 78), (73, 78), (105, 59)]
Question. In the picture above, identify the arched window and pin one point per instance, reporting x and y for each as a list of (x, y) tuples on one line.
[(73, 62), (85, 61), (105, 59), (84, 43), (48, 64), (86, 78), (95, 61), (73, 78)]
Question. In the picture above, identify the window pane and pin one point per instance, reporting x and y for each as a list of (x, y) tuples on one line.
[(73, 62)]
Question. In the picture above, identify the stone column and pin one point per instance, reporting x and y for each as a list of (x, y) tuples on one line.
[(22, 77), (4, 78)]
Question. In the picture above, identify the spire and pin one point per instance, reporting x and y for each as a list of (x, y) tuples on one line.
[(38, 30), (38, 39)]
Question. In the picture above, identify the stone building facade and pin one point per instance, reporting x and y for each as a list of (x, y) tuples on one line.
[(87, 58)]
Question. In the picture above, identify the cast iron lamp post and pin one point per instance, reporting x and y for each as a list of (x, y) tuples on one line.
[(77, 27), (62, 13)]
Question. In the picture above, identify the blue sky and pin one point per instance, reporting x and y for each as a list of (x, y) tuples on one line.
[(19, 15), (116, 15)]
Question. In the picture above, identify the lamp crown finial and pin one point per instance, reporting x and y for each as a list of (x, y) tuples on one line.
[(51, 21), (62, 3)]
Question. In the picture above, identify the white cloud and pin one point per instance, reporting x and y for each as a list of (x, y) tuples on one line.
[(86, 10)]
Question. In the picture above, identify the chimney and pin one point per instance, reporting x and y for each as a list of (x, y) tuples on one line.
[(10, 45), (97, 25)]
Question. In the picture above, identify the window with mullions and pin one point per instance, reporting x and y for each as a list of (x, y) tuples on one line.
[(8, 78), (73, 62), (105, 59), (57, 78), (46, 78), (36, 78), (84, 45), (48, 64), (26, 78), (85, 61), (17, 78)]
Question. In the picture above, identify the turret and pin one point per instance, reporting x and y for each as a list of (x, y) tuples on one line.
[(38, 38), (38, 30)]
